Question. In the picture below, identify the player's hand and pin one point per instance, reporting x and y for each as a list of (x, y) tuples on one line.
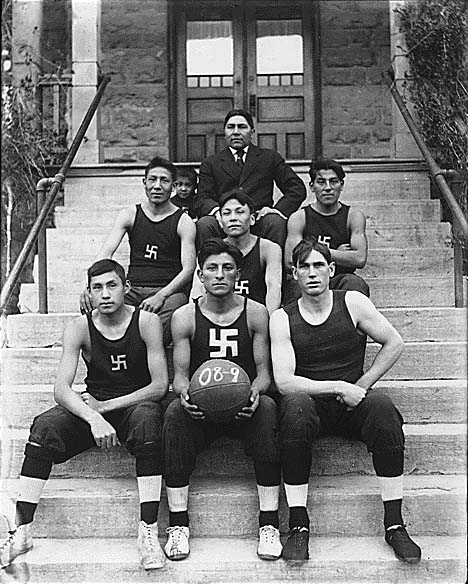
[(350, 394), (344, 247), (92, 402), (248, 411), (103, 433), (194, 411), (153, 303), (85, 302)]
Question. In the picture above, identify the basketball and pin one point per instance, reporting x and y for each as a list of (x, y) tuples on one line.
[(221, 389)]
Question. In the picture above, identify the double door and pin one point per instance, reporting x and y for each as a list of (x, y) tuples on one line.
[(256, 55)]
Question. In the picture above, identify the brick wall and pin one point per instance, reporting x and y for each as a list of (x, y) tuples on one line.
[(134, 113), (357, 114)]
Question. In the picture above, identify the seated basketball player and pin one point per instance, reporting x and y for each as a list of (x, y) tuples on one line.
[(162, 247), (261, 273), (126, 379), (222, 325), (318, 345), (341, 227)]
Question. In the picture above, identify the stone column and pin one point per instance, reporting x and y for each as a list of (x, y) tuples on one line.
[(85, 65), (26, 33), (403, 144)]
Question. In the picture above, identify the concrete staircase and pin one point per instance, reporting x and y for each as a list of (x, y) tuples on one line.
[(86, 522)]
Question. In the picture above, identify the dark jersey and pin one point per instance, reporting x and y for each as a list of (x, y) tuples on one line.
[(154, 250), (184, 203), (213, 341), (117, 367), (333, 350), (251, 282), (332, 230)]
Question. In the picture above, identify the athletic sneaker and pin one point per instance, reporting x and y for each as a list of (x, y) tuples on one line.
[(149, 548), (297, 544), (18, 542), (269, 543), (177, 546), (404, 547)]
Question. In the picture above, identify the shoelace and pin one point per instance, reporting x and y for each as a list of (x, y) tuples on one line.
[(269, 532), (149, 537), (175, 533)]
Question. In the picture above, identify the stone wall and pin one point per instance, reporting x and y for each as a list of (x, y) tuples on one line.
[(134, 112), (357, 112)]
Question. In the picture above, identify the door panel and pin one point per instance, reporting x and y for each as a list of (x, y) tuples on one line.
[(249, 55)]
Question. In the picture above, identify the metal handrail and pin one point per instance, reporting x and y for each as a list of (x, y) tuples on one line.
[(56, 185), (460, 223)]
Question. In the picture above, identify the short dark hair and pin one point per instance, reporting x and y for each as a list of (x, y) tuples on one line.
[(216, 246), (187, 172), (238, 195), (103, 266), (239, 112), (326, 164), (304, 247), (162, 163)]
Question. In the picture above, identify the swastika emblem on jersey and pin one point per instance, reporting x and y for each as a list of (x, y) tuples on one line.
[(227, 340), (118, 362), (325, 239), (151, 252), (242, 287)]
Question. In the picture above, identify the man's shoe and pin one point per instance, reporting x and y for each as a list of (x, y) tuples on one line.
[(269, 543), (149, 548), (18, 542), (177, 546), (297, 544), (404, 547)]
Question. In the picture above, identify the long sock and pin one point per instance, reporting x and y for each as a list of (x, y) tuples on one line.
[(33, 477), (389, 470), (296, 496), (177, 501), (149, 491), (392, 513), (268, 498)]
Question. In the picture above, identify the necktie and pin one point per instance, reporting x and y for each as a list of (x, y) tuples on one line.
[(239, 160)]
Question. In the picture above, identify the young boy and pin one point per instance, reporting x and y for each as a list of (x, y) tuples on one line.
[(186, 187)]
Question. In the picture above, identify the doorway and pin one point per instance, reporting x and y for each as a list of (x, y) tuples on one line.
[(259, 56)]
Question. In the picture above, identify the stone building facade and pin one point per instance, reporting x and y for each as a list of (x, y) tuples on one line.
[(136, 42)]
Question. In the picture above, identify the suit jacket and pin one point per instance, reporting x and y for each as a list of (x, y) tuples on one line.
[(262, 168)]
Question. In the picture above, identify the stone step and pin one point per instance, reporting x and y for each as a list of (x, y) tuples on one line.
[(433, 505), (406, 291), (69, 270), (430, 449), (340, 560), (414, 324), (64, 240), (426, 401), (420, 360), (392, 211)]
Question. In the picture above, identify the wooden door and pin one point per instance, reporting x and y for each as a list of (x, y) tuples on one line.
[(252, 55)]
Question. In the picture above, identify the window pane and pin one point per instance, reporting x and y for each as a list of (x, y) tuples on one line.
[(279, 46), (209, 48)]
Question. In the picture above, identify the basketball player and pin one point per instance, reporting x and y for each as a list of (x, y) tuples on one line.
[(222, 325), (127, 377), (162, 247), (341, 227), (318, 344), (261, 274)]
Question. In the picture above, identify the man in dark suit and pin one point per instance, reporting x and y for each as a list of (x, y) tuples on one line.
[(255, 170)]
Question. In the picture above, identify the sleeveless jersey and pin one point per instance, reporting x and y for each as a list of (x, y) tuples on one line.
[(117, 367), (154, 250), (333, 350), (213, 341), (332, 230), (251, 282)]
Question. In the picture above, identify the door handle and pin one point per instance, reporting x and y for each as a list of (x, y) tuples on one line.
[(253, 105)]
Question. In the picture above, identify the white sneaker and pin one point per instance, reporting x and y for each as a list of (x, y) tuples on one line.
[(269, 543), (177, 546), (18, 542), (149, 548)]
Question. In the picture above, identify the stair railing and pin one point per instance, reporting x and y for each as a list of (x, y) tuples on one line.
[(460, 224), (38, 231)]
